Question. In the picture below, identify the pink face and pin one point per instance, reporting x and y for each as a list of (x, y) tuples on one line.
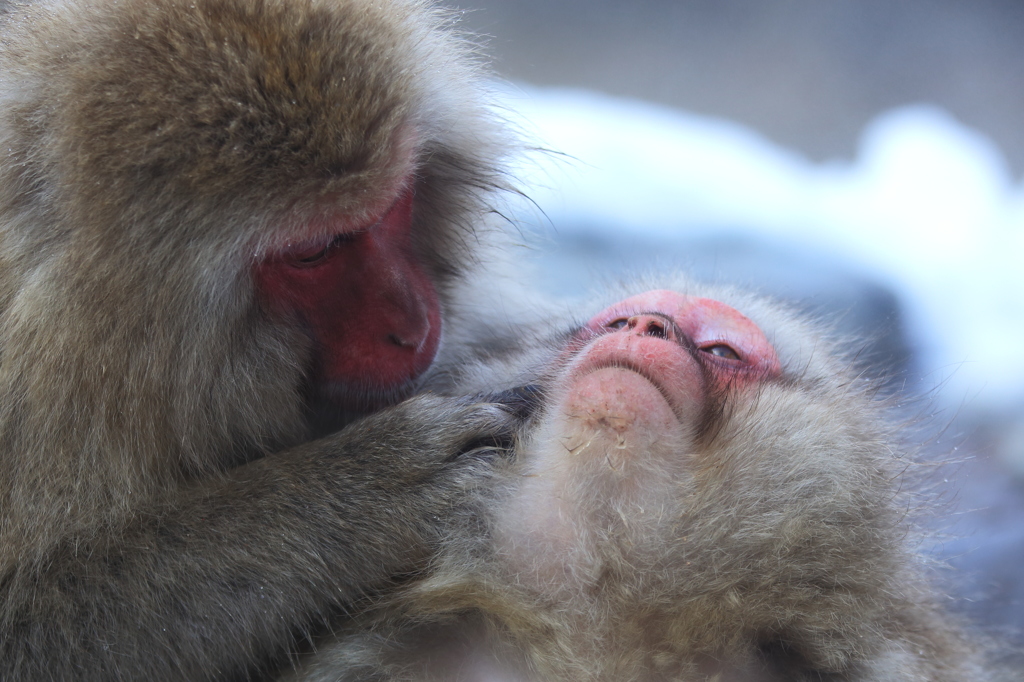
[(369, 305), (658, 359), (620, 437)]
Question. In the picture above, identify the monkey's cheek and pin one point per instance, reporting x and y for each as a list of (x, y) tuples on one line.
[(616, 413)]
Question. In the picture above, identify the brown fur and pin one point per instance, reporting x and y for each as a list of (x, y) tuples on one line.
[(777, 548), (154, 526)]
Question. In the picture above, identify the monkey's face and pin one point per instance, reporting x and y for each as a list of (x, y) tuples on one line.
[(363, 295), (655, 365), (642, 389), (654, 372)]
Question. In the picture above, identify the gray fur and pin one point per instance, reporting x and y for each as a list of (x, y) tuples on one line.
[(161, 513)]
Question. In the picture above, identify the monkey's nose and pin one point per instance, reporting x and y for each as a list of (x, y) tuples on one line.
[(648, 324)]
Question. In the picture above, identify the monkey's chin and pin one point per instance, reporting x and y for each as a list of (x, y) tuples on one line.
[(611, 443), (616, 410)]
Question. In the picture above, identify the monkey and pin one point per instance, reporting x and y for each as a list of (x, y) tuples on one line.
[(706, 489), (234, 238)]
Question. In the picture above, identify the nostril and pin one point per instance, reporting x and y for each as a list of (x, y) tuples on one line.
[(397, 340), (649, 325), (655, 329)]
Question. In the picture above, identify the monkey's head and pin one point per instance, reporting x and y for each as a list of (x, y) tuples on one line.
[(725, 478), (638, 391), (271, 195)]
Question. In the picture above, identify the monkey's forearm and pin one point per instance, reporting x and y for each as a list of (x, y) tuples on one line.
[(211, 583), (187, 592)]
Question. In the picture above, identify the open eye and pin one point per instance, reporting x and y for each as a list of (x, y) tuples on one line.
[(618, 324), (720, 350)]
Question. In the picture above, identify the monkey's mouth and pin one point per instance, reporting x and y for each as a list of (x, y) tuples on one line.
[(667, 367), (626, 364)]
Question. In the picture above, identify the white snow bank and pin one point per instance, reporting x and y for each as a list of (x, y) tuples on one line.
[(928, 208)]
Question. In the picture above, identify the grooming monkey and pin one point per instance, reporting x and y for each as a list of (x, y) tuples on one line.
[(226, 228), (701, 494)]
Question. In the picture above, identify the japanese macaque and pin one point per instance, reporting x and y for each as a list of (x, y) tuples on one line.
[(700, 494), (227, 227)]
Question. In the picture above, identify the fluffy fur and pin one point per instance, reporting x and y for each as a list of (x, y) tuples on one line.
[(774, 546), (151, 151)]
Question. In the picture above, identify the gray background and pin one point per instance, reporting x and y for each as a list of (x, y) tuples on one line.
[(807, 74)]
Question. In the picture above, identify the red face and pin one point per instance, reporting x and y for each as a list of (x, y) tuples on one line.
[(657, 360), (367, 302)]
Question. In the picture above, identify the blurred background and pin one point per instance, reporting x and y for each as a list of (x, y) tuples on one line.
[(861, 159), (809, 75)]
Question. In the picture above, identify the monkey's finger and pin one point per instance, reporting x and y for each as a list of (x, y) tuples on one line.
[(521, 401), (493, 432)]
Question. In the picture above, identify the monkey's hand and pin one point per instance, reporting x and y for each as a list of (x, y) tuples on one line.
[(374, 495), (433, 429), (421, 457)]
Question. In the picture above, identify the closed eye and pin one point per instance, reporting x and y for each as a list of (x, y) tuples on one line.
[(317, 256)]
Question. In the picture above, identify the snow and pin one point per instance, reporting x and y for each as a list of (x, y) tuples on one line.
[(927, 208)]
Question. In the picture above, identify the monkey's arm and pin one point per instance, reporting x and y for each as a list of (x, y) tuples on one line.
[(210, 582)]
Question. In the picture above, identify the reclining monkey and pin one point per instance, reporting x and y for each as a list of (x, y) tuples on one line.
[(700, 494)]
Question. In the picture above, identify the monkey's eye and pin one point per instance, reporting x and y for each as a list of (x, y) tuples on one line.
[(312, 255), (720, 350), (617, 324)]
